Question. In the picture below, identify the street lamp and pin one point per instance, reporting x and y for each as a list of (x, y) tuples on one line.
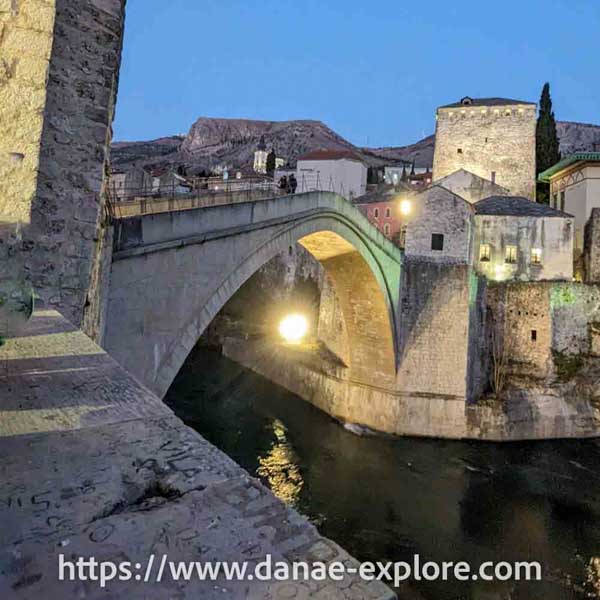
[(405, 207)]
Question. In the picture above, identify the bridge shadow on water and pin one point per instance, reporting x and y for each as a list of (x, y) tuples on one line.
[(385, 498)]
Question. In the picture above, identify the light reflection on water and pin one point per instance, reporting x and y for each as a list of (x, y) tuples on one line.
[(388, 499), (279, 468)]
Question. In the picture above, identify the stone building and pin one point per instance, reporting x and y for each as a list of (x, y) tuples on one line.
[(440, 227), (493, 138), (471, 187), (519, 239), (575, 188), (501, 237)]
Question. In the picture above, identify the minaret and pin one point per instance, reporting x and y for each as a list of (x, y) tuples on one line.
[(260, 156)]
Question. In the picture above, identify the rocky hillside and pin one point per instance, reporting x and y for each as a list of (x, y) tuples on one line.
[(578, 137), (126, 153), (421, 152), (213, 143), (232, 142)]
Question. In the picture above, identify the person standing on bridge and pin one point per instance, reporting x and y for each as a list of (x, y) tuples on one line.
[(293, 184)]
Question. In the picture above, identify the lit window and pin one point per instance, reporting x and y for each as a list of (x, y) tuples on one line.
[(376, 213), (536, 256), (386, 229), (437, 241), (388, 212), (510, 254), (484, 253)]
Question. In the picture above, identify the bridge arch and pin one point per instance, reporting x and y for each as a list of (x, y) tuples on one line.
[(216, 261)]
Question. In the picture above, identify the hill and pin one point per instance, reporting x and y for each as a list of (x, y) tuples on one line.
[(230, 143)]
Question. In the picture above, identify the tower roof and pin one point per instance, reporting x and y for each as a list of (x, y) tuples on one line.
[(468, 101)]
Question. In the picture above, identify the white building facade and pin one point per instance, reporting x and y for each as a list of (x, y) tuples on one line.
[(340, 171), (575, 188)]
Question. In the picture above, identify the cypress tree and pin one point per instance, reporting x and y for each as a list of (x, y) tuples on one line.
[(547, 145), (271, 163)]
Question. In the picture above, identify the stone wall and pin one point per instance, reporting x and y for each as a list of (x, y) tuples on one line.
[(439, 211), (26, 29), (591, 250), (523, 318), (548, 326), (62, 106), (434, 334), (486, 140)]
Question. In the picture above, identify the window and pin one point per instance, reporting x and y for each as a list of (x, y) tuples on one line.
[(459, 150), (562, 200), (437, 241), (388, 212), (493, 177), (386, 229), (484, 253), (555, 200), (376, 213), (510, 254), (536, 256), (534, 335)]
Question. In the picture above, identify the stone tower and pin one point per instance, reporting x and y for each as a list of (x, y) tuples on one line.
[(260, 156), (59, 66), (490, 137)]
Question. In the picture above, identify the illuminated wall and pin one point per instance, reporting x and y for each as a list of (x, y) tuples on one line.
[(494, 142), (26, 35)]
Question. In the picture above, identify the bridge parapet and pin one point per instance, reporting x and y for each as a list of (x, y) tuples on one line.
[(144, 230)]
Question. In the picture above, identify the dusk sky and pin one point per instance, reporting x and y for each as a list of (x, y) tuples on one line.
[(373, 71)]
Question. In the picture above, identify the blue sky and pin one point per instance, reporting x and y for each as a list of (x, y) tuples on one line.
[(373, 71)]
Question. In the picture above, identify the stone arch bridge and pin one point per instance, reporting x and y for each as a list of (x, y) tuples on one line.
[(172, 273)]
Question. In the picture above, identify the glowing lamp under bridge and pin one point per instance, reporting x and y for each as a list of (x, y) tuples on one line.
[(293, 328)]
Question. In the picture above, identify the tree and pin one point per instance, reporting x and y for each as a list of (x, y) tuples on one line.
[(271, 163), (500, 349), (547, 144)]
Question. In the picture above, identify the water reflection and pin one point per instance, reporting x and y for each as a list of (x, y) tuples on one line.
[(388, 499), (280, 469)]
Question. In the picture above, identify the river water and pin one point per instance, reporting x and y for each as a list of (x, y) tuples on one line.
[(385, 498)]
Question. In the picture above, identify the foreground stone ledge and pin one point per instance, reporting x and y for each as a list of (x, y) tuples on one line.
[(93, 464)]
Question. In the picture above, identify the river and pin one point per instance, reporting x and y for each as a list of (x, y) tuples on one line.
[(385, 498)]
